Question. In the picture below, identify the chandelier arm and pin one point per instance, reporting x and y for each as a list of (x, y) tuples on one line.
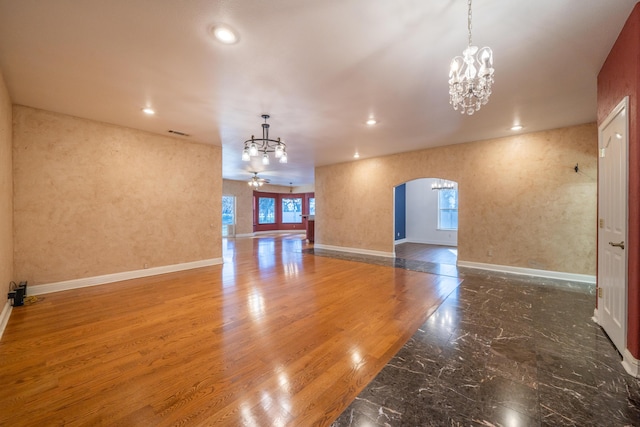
[(264, 145), (268, 144)]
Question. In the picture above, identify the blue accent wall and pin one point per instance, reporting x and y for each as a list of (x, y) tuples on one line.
[(400, 229)]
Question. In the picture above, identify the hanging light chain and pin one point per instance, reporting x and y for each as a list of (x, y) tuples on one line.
[(469, 21)]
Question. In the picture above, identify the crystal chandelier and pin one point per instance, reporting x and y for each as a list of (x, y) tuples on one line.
[(471, 77), (443, 184), (262, 146)]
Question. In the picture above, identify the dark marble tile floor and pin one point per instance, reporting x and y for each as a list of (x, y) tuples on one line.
[(502, 350)]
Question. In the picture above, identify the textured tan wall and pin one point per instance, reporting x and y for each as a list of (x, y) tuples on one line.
[(521, 202), (94, 199), (244, 204), (6, 192)]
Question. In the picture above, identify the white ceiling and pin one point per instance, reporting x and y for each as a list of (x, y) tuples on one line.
[(319, 68)]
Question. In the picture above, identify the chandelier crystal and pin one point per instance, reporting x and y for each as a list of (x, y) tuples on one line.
[(471, 77), (255, 147), (443, 184)]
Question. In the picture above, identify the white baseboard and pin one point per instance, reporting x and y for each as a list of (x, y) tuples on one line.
[(245, 235), (631, 364), (4, 317), (354, 250), (400, 241), (117, 277), (583, 278)]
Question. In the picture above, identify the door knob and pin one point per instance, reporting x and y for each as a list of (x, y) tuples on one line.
[(619, 245)]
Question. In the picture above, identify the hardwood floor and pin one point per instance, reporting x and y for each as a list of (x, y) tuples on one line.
[(272, 337)]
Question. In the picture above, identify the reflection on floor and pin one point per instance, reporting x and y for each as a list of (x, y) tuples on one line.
[(429, 253), (408, 264), (502, 350)]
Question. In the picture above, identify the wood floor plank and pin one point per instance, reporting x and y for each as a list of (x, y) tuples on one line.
[(275, 336)]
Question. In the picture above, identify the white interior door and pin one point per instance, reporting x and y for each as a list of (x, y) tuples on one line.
[(612, 225)]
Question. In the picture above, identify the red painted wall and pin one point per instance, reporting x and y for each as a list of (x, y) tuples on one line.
[(279, 225), (620, 77)]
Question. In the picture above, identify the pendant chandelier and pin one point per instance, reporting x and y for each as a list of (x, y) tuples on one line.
[(443, 184), (263, 146), (471, 77), (257, 182)]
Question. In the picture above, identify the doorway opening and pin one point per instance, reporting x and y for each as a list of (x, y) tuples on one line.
[(228, 216), (426, 220)]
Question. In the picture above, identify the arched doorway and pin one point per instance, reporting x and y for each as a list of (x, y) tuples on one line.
[(426, 220)]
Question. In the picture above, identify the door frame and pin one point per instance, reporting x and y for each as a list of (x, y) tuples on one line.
[(622, 105)]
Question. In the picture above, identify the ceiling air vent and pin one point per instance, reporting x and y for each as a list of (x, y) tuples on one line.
[(177, 132)]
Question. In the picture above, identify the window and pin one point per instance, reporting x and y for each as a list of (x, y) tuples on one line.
[(447, 209), (228, 210), (291, 210), (266, 210), (312, 205)]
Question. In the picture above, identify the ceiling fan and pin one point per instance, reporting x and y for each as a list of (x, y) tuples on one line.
[(256, 181)]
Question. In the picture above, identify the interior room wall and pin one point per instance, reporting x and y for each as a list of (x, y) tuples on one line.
[(521, 202), (620, 77), (94, 199), (6, 191), (310, 188), (244, 204), (422, 215), (271, 188)]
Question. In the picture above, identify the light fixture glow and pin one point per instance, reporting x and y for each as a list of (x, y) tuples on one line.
[(471, 76), (224, 34), (256, 182), (371, 122), (516, 127), (356, 156), (279, 151), (254, 146), (148, 111)]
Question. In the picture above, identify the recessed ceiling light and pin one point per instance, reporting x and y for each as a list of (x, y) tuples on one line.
[(371, 121), (516, 127), (356, 156), (148, 111), (224, 34)]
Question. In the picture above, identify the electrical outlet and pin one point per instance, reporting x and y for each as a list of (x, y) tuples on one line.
[(18, 294)]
